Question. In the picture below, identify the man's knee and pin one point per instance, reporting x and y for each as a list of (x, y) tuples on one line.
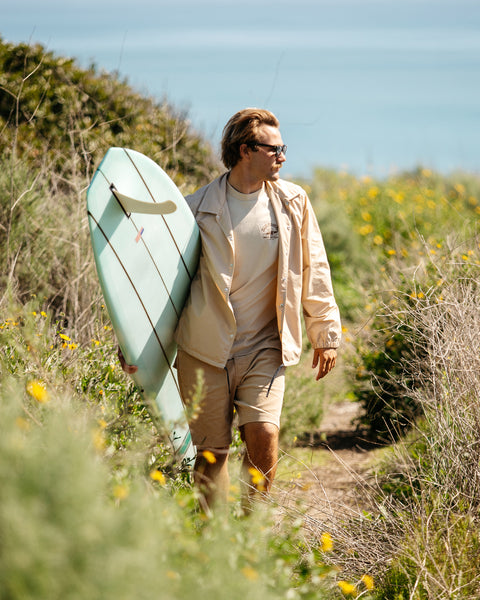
[(259, 431)]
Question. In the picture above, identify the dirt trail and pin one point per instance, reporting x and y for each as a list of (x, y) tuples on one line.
[(328, 482)]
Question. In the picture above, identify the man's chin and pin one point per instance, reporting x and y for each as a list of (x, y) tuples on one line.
[(274, 176)]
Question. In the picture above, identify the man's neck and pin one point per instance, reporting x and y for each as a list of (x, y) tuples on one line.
[(242, 183)]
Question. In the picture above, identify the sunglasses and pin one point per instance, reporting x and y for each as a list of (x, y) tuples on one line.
[(277, 149)]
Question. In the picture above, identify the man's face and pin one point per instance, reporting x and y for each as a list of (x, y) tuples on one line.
[(265, 165)]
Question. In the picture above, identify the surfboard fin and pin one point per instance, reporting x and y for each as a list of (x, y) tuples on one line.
[(131, 205)]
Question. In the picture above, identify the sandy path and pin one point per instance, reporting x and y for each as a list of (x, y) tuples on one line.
[(328, 482)]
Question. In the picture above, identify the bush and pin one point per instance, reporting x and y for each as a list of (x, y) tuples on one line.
[(410, 260)]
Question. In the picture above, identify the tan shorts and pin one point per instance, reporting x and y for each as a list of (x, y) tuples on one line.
[(253, 385)]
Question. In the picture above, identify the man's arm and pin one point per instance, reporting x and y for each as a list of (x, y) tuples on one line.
[(325, 359)]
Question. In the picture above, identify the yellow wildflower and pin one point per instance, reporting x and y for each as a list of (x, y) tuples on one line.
[(65, 337), (391, 252), (37, 390), (368, 582), (250, 573), (326, 542), (366, 216), (209, 457), (172, 575), (373, 192), (44, 314), (378, 240), (257, 479), (98, 440), (120, 492), (349, 589), (157, 475), (22, 423), (398, 197), (365, 229)]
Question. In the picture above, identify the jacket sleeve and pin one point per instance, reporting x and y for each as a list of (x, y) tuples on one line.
[(321, 314)]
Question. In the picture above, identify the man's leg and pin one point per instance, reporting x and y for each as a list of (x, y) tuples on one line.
[(211, 477), (210, 419), (260, 461)]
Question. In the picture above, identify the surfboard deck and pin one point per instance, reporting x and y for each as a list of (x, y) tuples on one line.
[(145, 263)]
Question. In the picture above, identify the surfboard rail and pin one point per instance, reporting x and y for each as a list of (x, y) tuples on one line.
[(146, 245)]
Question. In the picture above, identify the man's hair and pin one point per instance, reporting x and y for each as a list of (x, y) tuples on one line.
[(242, 128)]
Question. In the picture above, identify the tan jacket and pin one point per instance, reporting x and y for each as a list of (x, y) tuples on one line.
[(207, 327)]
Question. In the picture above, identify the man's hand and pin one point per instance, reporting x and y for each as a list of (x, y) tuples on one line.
[(325, 359), (129, 369)]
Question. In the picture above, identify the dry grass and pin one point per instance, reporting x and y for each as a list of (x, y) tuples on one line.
[(422, 538)]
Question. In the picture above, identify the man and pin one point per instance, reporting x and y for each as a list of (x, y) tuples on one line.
[(262, 259)]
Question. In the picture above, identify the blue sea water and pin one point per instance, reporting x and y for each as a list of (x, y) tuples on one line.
[(370, 86)]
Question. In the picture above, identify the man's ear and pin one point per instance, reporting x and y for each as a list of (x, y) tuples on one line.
[(245, 151)]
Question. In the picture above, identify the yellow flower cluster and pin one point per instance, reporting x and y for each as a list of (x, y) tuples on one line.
[(352, 589), (38, 391), (67, 342), (9, 323)]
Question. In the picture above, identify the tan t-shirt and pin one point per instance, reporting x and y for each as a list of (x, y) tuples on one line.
[(254, 285)]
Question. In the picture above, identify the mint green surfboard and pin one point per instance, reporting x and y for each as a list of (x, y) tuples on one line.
[(146, 245)]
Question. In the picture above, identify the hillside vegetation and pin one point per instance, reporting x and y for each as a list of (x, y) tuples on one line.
[(91, 505), (57, 121)]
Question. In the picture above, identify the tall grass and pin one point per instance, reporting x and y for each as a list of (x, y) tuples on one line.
[(422, 537)]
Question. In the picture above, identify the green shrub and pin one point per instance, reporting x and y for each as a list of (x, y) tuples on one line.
[(89, 504), (52, 110)]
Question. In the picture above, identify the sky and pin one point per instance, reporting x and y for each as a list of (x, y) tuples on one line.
[(358, 84)]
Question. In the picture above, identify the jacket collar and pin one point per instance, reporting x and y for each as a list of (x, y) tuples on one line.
[(216, 194), (281, 192)]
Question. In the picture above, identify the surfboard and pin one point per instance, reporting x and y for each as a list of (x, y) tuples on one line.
[(146, 245)]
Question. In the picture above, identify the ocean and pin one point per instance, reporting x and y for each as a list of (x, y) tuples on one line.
[(371, 87)]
